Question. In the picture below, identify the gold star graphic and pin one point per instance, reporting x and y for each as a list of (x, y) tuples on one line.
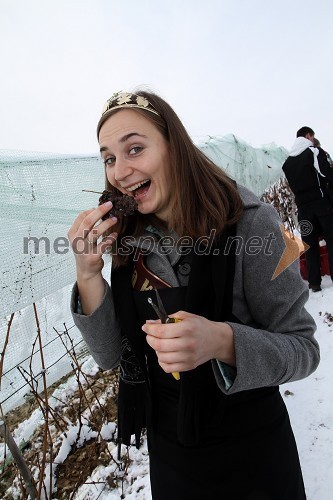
[(295, 247)]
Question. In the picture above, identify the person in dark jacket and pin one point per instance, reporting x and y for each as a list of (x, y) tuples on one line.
[(311, 180), (220, 429)]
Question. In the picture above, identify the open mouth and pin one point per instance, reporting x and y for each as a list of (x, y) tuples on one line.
[(141, 189)]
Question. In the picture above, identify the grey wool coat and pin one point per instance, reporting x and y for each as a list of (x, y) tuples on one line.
[(274, 341)]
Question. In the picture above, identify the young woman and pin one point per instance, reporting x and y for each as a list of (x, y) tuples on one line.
[(211, 248)]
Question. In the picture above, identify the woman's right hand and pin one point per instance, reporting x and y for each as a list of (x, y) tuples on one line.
[(83, 236)]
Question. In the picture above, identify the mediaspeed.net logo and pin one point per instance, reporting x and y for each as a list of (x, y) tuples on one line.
[(294, 246)]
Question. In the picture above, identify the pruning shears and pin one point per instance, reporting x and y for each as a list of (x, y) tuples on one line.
[(161, 313)]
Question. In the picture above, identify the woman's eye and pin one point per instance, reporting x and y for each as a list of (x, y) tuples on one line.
[(109, 161), (135, 150)]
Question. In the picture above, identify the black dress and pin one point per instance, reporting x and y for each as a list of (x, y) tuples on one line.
[(245, 450)]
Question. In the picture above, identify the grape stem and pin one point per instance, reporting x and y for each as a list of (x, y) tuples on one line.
[(89, 191)]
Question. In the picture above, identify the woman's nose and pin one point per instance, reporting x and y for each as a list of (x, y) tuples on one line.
[(122, 169)]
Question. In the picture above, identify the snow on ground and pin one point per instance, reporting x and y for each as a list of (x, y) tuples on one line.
[(309, 403), (310, 407)]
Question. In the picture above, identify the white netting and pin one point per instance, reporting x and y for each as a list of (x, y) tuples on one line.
[(40, 196)]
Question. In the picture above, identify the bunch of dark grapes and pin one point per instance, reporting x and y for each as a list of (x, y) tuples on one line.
[(122, 205)]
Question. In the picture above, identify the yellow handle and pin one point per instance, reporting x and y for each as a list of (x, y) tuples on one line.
[(173, 320)]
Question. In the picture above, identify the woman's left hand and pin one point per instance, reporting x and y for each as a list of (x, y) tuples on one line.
[(184, 345)]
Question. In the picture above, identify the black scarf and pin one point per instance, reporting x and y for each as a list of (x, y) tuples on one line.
[(209, 293)]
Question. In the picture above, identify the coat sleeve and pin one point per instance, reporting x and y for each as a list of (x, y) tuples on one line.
[(276, 343), (100, 330)]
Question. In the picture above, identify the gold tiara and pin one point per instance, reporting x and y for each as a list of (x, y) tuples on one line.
[(124, 100), (127, 100)]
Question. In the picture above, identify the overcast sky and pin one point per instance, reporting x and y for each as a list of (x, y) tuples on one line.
[(254, 68)]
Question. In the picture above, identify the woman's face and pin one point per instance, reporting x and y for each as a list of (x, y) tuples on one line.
[(136, 159)]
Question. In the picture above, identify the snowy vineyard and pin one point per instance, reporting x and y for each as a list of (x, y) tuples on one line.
[(58, 405)]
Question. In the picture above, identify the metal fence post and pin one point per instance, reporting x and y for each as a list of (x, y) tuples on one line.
[(26, 474)]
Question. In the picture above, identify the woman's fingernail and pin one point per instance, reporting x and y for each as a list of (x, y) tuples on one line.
[(143, 328), (108, 204), (114, 219)]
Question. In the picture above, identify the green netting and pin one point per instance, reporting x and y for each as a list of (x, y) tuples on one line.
[(255, 168), (40, 196)]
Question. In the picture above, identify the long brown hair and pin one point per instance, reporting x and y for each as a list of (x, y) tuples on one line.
[(204, 197)]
